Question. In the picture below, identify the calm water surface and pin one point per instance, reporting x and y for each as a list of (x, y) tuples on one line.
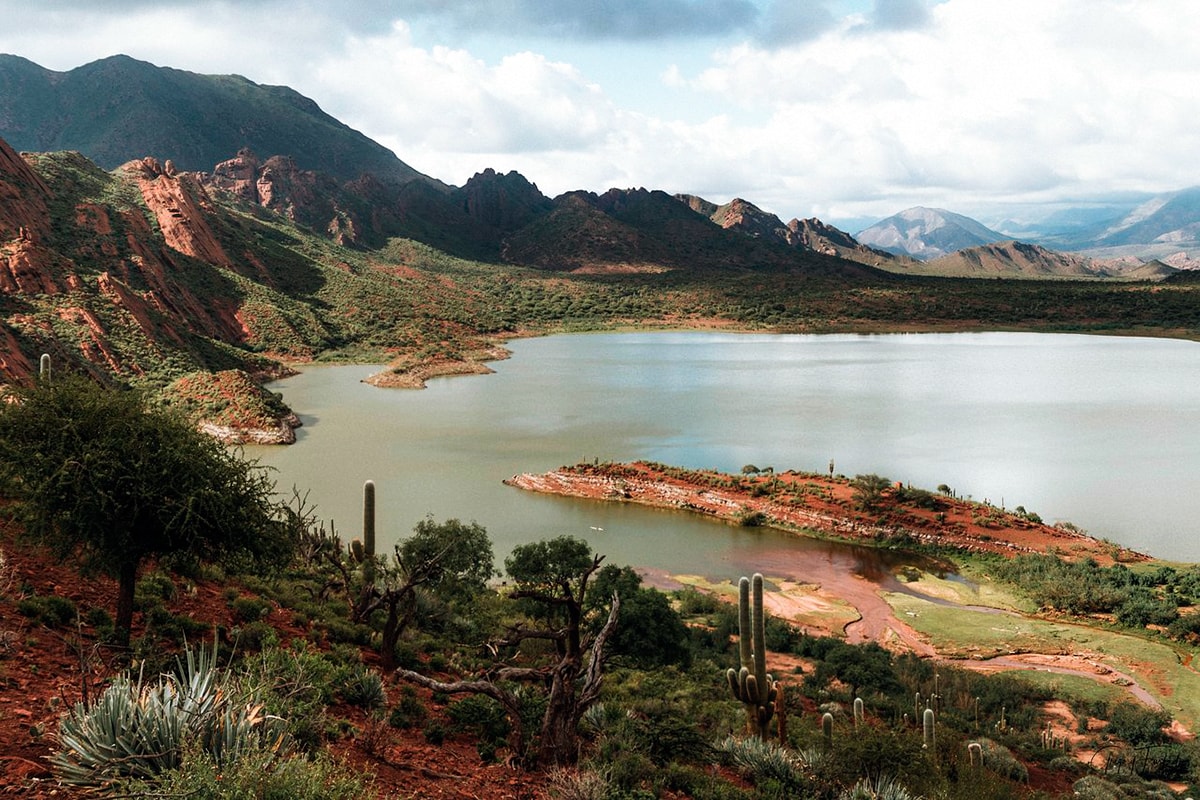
[(1100, 431)]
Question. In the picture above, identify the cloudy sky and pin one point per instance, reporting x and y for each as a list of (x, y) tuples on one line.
[(849, 110)]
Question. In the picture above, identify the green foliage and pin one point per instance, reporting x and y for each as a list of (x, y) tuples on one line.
[(765, 761), (868, 490), (259, 773), (455, 558), (363, 687), (139, 730), (649, 631), (863, 667), (49, 610), (250, 609), (1137, 724), (106, 481), (484, 718), (409, 711), (551, 565), (696, 603)]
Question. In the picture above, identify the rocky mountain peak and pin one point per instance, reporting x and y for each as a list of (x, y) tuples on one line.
[(505, 202)]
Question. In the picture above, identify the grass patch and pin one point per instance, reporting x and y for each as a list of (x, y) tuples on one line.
[(964, 633), (1072, 687), (974, 591)]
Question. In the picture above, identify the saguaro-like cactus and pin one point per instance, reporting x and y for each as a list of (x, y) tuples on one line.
[(44, 371), (928, 729), (858, 711), (752, 684), (827, 729), (369, 532)]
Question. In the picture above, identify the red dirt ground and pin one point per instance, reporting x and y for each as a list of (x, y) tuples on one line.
[(41, 676)]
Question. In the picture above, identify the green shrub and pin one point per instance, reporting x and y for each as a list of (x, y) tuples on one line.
[(49, 610), (250, 609), (483, 717), (254, 636), (409, 711), (434, 731), (154, 586), (693, 602), (1138, 725), (764, 760), (258, 773)]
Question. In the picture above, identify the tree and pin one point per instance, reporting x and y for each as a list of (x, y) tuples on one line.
[(108, 481), (650, 632), (868, 490), (551, 582), (450, 559)]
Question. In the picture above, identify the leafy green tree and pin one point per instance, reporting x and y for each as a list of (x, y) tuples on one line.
[(107, 481), (452, 560), (868, 490), (551, 579), (650, 632)]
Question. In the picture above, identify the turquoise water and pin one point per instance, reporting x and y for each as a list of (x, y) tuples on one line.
[(1100, 431)]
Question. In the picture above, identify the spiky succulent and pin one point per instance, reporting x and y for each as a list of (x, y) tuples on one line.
[(140, 729)]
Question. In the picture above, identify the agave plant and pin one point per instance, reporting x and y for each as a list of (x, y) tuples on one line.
[(141, 729), (884, 788), (764, 760)]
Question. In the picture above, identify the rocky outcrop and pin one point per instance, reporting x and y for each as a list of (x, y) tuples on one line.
[(179, 203), (238, 176), (502, 202), (23, 197), (27, 268), (14, 364)]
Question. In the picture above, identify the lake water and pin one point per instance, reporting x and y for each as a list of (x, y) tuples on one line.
[(1100, 431)]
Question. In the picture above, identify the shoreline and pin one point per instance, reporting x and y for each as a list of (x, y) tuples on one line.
[(823, 506)]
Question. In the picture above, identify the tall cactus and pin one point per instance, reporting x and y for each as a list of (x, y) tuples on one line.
[(44, 368), (369, 532), (752, 684)]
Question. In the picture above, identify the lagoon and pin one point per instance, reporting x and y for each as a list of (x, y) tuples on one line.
[(1099, 431)]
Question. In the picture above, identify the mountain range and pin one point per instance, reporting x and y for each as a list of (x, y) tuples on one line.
[(120, 109), (124, 253)]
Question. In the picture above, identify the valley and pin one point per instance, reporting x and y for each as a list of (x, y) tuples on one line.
[(198, 257)]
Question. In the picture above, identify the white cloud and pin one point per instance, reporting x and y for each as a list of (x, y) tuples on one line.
[(960, 104)]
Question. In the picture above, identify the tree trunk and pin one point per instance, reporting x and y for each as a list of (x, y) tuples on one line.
[(126, 582), (559, 741), (389, 638)]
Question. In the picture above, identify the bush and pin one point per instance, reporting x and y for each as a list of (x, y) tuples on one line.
[(153, 586), (258, 773), (764, 761), (250, 609), (409, 711), (693, 602), (484, 718), (255, 636), (50, 610), (434, 732), (1137, 724)]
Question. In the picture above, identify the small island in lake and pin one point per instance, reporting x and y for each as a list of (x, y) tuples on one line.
[(867, 509)]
